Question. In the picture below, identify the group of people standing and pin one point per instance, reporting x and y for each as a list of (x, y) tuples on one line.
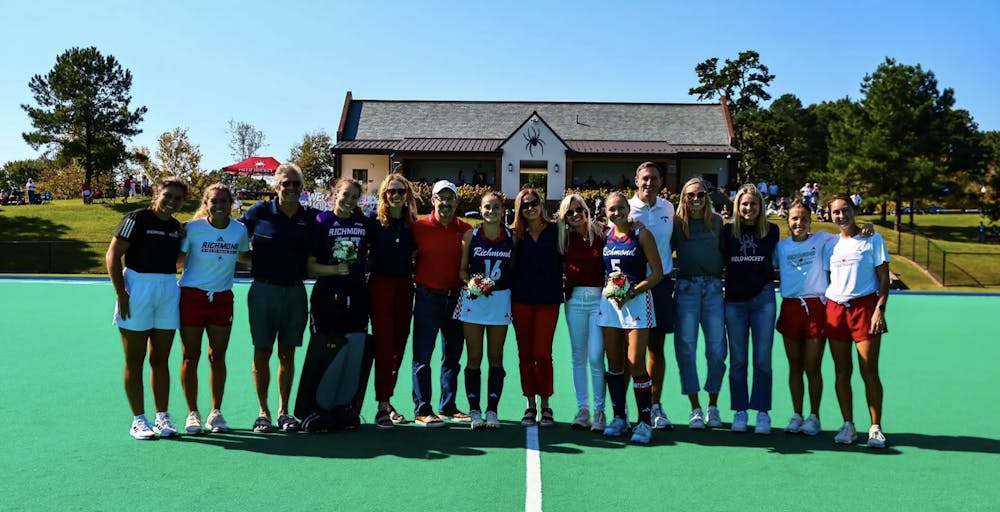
[(466, 285)]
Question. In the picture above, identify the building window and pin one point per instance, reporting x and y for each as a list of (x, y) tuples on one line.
[(360, 175)]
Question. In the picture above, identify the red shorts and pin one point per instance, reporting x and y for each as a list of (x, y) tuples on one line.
[(802, 319), (200, 308), (850, 321)]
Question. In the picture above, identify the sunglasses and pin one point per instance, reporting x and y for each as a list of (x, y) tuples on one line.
[(395, 192), (291, 184), (579, 210), (530, 204), (696, 195)]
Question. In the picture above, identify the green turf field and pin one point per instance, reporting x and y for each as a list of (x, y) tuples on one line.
[(66, 446)]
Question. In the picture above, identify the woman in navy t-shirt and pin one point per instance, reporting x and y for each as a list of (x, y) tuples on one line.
[(536, 293), (748, 245)]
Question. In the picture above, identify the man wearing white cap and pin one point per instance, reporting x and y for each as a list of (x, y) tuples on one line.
[(438, 238)]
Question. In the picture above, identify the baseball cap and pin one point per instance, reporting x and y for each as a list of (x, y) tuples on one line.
[(442, 185)]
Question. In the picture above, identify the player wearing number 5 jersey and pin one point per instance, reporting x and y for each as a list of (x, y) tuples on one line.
[(487, 255)]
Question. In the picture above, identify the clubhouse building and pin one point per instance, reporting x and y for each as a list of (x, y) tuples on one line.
[(549, 145)]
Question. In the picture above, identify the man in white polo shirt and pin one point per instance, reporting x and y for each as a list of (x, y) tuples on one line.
[(657, 214)]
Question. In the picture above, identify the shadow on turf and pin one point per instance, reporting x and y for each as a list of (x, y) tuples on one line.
[(38, 245), (415, 442)]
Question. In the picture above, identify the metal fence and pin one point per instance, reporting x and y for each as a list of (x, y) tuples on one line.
[(53, 257), (951, 268)]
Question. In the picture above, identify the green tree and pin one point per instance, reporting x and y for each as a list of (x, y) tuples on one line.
[(244, 140), (84, 111), (743, 82), (314, 156), (988, 192), (904, 135), (176, 155), (15, 173)]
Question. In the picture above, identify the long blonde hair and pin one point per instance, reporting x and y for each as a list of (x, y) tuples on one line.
[(409, 202), (761, 220), (684, 217), (204, 207), (593, 229)]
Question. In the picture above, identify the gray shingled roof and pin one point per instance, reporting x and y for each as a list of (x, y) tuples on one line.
[(695, 124)]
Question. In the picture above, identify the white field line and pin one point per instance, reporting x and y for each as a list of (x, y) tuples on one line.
[(533, 472)]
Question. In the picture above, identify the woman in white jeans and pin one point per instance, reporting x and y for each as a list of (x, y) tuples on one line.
[(581, 241)]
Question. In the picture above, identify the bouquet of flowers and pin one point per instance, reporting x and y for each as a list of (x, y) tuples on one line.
[(619, 289), (345, 251), (479, 286)]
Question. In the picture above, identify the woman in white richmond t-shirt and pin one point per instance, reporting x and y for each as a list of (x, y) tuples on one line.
[(802, 317), (859, 289)]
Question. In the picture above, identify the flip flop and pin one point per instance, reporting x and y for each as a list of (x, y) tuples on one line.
[(529, 418), (263, 425), (548, 419)]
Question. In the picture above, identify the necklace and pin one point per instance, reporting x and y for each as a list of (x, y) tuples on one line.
[(398, 227)]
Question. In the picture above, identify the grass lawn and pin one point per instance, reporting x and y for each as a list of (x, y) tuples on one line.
[(83, 231)]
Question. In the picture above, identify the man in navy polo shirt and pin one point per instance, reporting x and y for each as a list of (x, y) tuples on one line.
[(657, 214), (277, 302), (438, 239)]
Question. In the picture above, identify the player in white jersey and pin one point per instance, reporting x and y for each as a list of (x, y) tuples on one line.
[(859, 289), (212, 246)]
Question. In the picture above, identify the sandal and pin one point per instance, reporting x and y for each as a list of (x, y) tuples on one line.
[(383, 419), (288, 423), (547, 418), (528, 420), (397, 419), (263, 425)]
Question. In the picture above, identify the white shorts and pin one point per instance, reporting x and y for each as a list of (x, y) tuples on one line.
[(492, 310), (637, 313), (154, 302)]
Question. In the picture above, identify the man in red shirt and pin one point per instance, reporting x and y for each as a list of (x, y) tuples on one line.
[(438, 238)]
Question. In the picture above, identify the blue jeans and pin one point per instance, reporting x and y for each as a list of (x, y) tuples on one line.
[(699, 302), (432, 313), (586, 345), (753, 317)]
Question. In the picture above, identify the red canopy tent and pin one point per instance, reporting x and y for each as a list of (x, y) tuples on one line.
[(262, 165)]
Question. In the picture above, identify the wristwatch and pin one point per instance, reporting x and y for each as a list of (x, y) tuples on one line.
[(881, 307)]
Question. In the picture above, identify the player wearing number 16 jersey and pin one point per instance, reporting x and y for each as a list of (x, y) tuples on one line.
[(487, 252)]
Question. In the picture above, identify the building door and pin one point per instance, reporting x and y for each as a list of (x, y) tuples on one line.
[(534, 174)]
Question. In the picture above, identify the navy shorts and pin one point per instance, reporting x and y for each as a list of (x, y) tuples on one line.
[(664, 305)]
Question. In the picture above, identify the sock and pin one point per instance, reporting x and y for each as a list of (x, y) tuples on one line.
[(616, 390), (160, 415), (140, 417), (494, 386), (643, 389), (473, 386)]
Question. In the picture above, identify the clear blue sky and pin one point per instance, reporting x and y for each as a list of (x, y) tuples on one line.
[(285, 66)]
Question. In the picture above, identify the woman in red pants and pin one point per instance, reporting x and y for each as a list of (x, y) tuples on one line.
[(536, 294), (391, 284)]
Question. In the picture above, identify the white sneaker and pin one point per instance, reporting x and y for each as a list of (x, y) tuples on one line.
[(794, 424), (714, 419), (141, 429), (477, 421), (164, 427), (617, 428), (492, 421), (763, 424), (811, 426), (847, 434), (600, 422), (216, 423), (876, 439), (739, 422), (193, 424), (697, 420), (582, 420), (660, 419), (642, 434)]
